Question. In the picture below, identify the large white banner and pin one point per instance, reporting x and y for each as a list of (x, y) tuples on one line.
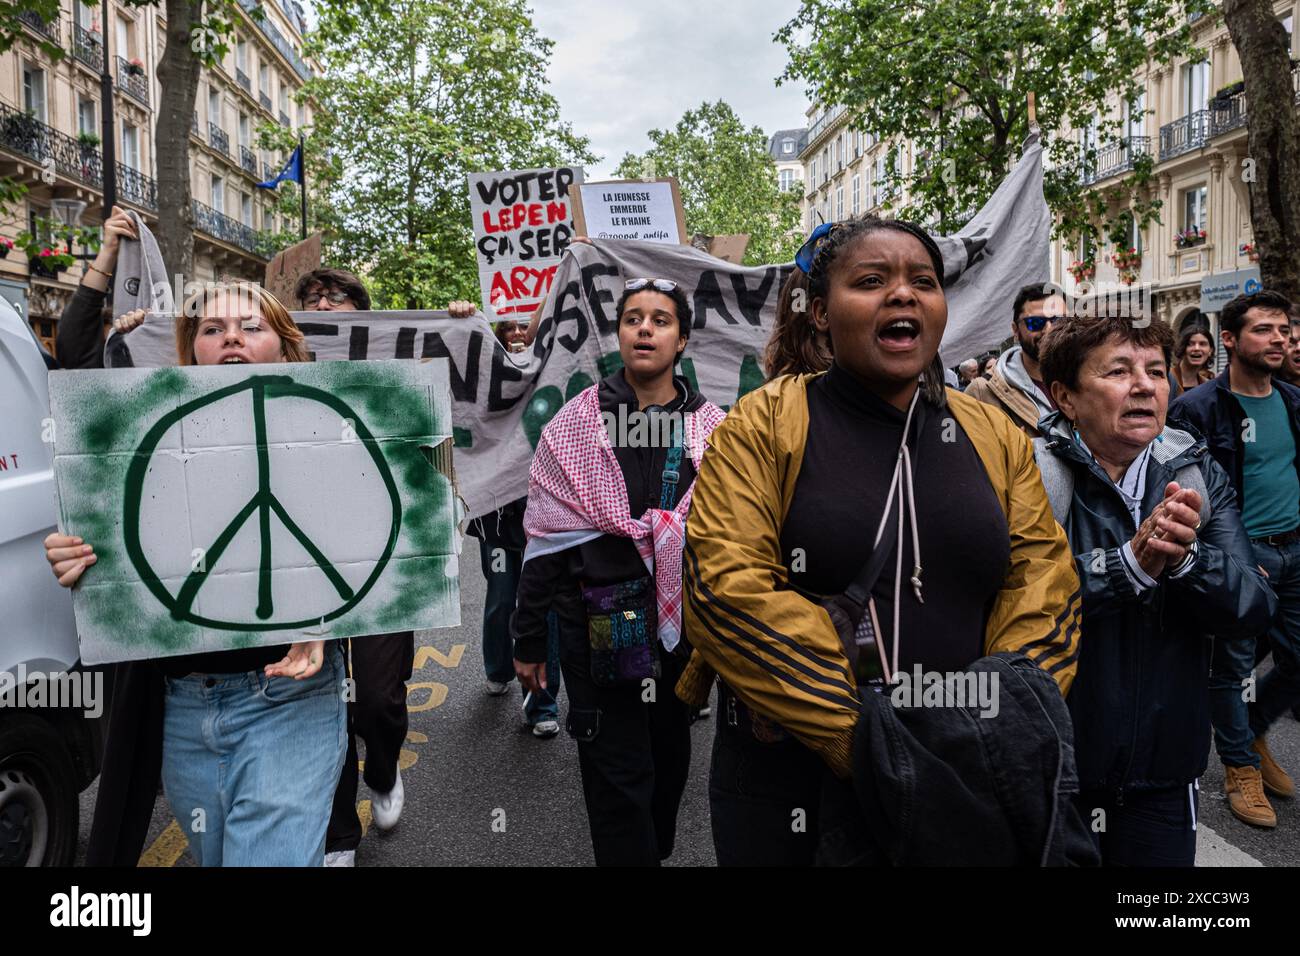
[(501, 402)]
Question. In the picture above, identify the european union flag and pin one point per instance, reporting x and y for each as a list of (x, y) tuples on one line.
[(291, 173)]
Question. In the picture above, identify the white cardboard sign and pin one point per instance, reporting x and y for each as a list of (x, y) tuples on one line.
[(250, 505)]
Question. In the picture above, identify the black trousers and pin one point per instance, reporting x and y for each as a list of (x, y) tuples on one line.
[(764, 797), (1150, 827), (381, 665), (634, 756)]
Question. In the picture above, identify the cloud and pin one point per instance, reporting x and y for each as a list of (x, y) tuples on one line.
[(620, 68)]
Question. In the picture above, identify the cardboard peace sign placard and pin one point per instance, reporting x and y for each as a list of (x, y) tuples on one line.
[(243, 505)]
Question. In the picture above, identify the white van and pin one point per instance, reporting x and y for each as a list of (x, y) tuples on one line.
[(48, 755)]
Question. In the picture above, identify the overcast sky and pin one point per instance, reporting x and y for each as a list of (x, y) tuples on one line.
[(623, 67)]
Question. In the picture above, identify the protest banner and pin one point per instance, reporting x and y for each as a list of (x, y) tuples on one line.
[(290, 265), (247, 505), (649, 210), (523, 222), (501, 402)]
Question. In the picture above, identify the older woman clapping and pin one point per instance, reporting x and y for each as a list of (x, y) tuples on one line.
[(1164, 562)]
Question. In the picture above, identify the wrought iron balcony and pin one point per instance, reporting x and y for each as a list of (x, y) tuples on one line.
[(1116, 158), (270, 171), (822, 124), (88, 47), (242, 79), (220, 226), (1184, 135), (247, 160), (25, 134), (137, 188), (277, 39), (284, 119), (265, 100), (131, 82), (218, 139), (47, 28), (1230, 113)]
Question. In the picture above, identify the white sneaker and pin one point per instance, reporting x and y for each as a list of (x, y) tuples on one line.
[(496, 688), (385, 808), (546, 728), (341, 858)]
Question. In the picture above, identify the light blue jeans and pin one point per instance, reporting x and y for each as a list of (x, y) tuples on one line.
[(250, 763)]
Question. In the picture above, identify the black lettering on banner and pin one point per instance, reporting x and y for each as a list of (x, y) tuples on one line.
[(309, 329), (503, 370), (751, 302), (464, 388), (550, 324), (596, 296), (708, 295), (573, 342), (405, 342), (359, 343)]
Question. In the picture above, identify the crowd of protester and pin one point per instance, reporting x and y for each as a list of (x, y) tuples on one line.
[(1093, 523)]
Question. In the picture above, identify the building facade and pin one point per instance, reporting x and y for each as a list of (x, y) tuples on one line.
[(784, 146), (51, 124), (1190, 117), (847, 170)]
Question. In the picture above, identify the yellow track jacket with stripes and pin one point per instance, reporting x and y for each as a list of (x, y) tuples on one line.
[(778, 651)]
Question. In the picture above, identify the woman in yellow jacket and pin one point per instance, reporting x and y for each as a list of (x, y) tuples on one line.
[(804, 481)]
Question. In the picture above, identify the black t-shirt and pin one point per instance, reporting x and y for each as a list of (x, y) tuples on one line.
[(852, 446)]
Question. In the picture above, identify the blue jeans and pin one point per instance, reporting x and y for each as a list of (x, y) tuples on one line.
[(250, 763), (1237, 722), (501, 570)]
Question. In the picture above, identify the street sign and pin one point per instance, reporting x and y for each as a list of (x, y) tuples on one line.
[(1221, 288)]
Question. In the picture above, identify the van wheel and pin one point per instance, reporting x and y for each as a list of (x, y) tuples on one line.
[(38, 795)]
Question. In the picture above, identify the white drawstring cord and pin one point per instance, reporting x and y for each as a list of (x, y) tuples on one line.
[(906, 494)]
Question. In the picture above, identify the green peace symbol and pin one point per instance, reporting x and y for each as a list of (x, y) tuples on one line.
[(263, 502)]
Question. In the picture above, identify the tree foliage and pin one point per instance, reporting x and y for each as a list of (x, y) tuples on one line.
[(727, 178), (416, 94), (953, 76)]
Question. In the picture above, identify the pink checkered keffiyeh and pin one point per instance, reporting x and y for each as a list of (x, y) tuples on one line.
[(575, 484)]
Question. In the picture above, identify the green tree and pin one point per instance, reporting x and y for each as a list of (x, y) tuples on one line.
[(953, 76), (417, 94), (727, 179)]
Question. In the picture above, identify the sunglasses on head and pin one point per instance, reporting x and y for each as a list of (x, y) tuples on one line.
[(812, 245), (1036, 323), (661, 285)]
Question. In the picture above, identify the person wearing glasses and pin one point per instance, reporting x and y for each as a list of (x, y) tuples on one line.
[(608, 494), (337, 290), (1016, 385)]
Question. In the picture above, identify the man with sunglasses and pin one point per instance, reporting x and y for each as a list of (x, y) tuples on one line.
[(1016, 385)]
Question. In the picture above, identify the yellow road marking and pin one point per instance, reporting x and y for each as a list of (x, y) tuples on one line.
[(167, 849), (363, 814), (415, 737), (424, 654), (437, 694)]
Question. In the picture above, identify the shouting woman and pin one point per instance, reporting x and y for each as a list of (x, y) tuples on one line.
[(806, 481)]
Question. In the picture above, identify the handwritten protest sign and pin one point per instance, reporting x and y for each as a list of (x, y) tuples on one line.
[(523, 222), (238, 506), (647, 210)]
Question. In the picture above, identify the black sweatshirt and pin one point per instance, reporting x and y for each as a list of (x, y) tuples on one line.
[(554, 580), (852, 446)]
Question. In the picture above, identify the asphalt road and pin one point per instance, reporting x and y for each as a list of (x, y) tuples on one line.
[(482, 791)]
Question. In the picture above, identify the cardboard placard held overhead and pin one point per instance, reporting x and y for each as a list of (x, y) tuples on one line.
[(649, 210), (523, 222), (250, 505), (730, 248), (290, 265)]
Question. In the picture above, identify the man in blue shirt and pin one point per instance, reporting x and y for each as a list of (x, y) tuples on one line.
[(1251, 422)]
